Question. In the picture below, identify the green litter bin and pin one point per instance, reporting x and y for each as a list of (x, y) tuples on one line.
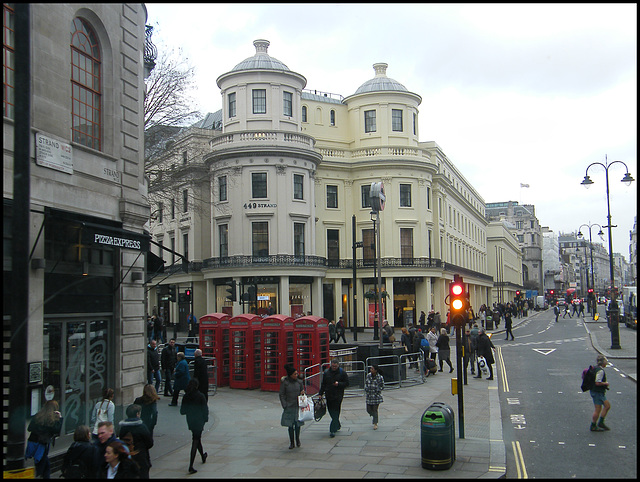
[(437, 437)]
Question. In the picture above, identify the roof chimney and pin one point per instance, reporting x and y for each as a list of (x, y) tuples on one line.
[(261, 46), (380, 69)]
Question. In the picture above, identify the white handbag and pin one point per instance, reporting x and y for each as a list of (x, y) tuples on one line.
[(482, 363)]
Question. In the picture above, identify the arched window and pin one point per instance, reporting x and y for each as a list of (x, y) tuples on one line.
[(332, 116), (304, 113), (85, 85)]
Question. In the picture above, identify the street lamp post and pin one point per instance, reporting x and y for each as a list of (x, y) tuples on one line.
[(613, 307), (592, 301)]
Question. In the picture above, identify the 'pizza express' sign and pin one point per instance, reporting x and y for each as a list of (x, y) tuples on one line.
[(115, 239)]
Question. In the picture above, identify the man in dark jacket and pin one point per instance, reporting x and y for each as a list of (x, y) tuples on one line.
[(153, 365), (334, 381), (139, 436), (106, 435), (169, 359), (201, 373), (485, 349)]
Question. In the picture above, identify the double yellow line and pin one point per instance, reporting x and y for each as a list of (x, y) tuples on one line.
[(517, 451), (503, 370)]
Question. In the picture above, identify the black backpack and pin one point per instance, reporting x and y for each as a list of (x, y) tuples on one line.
[(588, 378)]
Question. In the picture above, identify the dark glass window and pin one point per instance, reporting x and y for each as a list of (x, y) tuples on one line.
[(333, 247), (9, 51), (260, 238), (369, 120), (396, 120), (366, 199), (332, 196), (259, 185), (223, 232), (304, 113), (298, 186), (287, 103), (85, 85), (232, 104), (405, 195), (332, 117), (406, 245), (259, 101), (298, 239), (222, 188)]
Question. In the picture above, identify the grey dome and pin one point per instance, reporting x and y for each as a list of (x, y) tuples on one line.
[(261, 60), (380, 82)]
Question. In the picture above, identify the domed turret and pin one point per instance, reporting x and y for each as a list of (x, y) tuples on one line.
[(381, 82), (261, 60)]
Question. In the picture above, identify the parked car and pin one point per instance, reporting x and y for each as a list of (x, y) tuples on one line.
[(561, 302)]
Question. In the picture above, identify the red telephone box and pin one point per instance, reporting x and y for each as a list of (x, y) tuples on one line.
[(214, 342), (310, 342), (277, 350), (244, 351)]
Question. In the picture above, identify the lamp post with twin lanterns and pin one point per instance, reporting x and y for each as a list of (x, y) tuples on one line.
[(613, 306), (592, 295)]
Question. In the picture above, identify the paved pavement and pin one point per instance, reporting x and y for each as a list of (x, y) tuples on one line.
[(244, 438)]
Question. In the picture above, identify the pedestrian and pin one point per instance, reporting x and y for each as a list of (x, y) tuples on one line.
[(80, 460), (581, 308), (444, 350), (45, 426), (137, 436), (598, 394), (432, 338), (574, 307), (373, 386), (496, 317), (194, 406), (466, 347), (387, 332), (117, 464), (416, 343), (153, 365), (566, 310), (334, 381), (421, 321), (485, 349), (405, 340), (473, 346), (182, 377), (332, 331), (106, 435), (103, 411), (191, 323), (508, 323), (556, 311), (158, 329), (150, 324), (149, 403), (168, 360), (291, 388), (340, 330), (201, 372)]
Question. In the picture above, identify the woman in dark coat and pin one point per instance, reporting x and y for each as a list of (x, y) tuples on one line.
[(148, 402), (79, 461), (444, 350), (485, 349), (118, 465), (194, 406), (290, 388), (44, 426), (182, 378)]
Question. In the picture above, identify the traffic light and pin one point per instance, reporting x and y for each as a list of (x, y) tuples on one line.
[(253, 293), (187, 294), (457, 301), (231, 290), (172, 292), (551, 292), (182, 298), (517, 294)]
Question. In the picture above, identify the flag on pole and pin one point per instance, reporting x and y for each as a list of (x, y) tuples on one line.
[(524, 185)]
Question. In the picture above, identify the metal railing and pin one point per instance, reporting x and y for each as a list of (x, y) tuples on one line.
[(389, 365)]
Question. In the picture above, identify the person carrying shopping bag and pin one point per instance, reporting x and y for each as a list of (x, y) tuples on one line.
[(290, 389)]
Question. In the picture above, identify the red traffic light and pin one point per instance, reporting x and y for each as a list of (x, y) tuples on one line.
[(187, 292), (456, 292), (551, 291)]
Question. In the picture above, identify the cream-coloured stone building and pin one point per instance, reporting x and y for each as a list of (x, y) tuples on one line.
[(87, 207), (505, 260), (288, 174)]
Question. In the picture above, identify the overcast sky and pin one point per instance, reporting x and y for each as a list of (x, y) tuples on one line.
[(522, 93)]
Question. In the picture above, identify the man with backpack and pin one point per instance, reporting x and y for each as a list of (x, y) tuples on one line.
[(600, 402)]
